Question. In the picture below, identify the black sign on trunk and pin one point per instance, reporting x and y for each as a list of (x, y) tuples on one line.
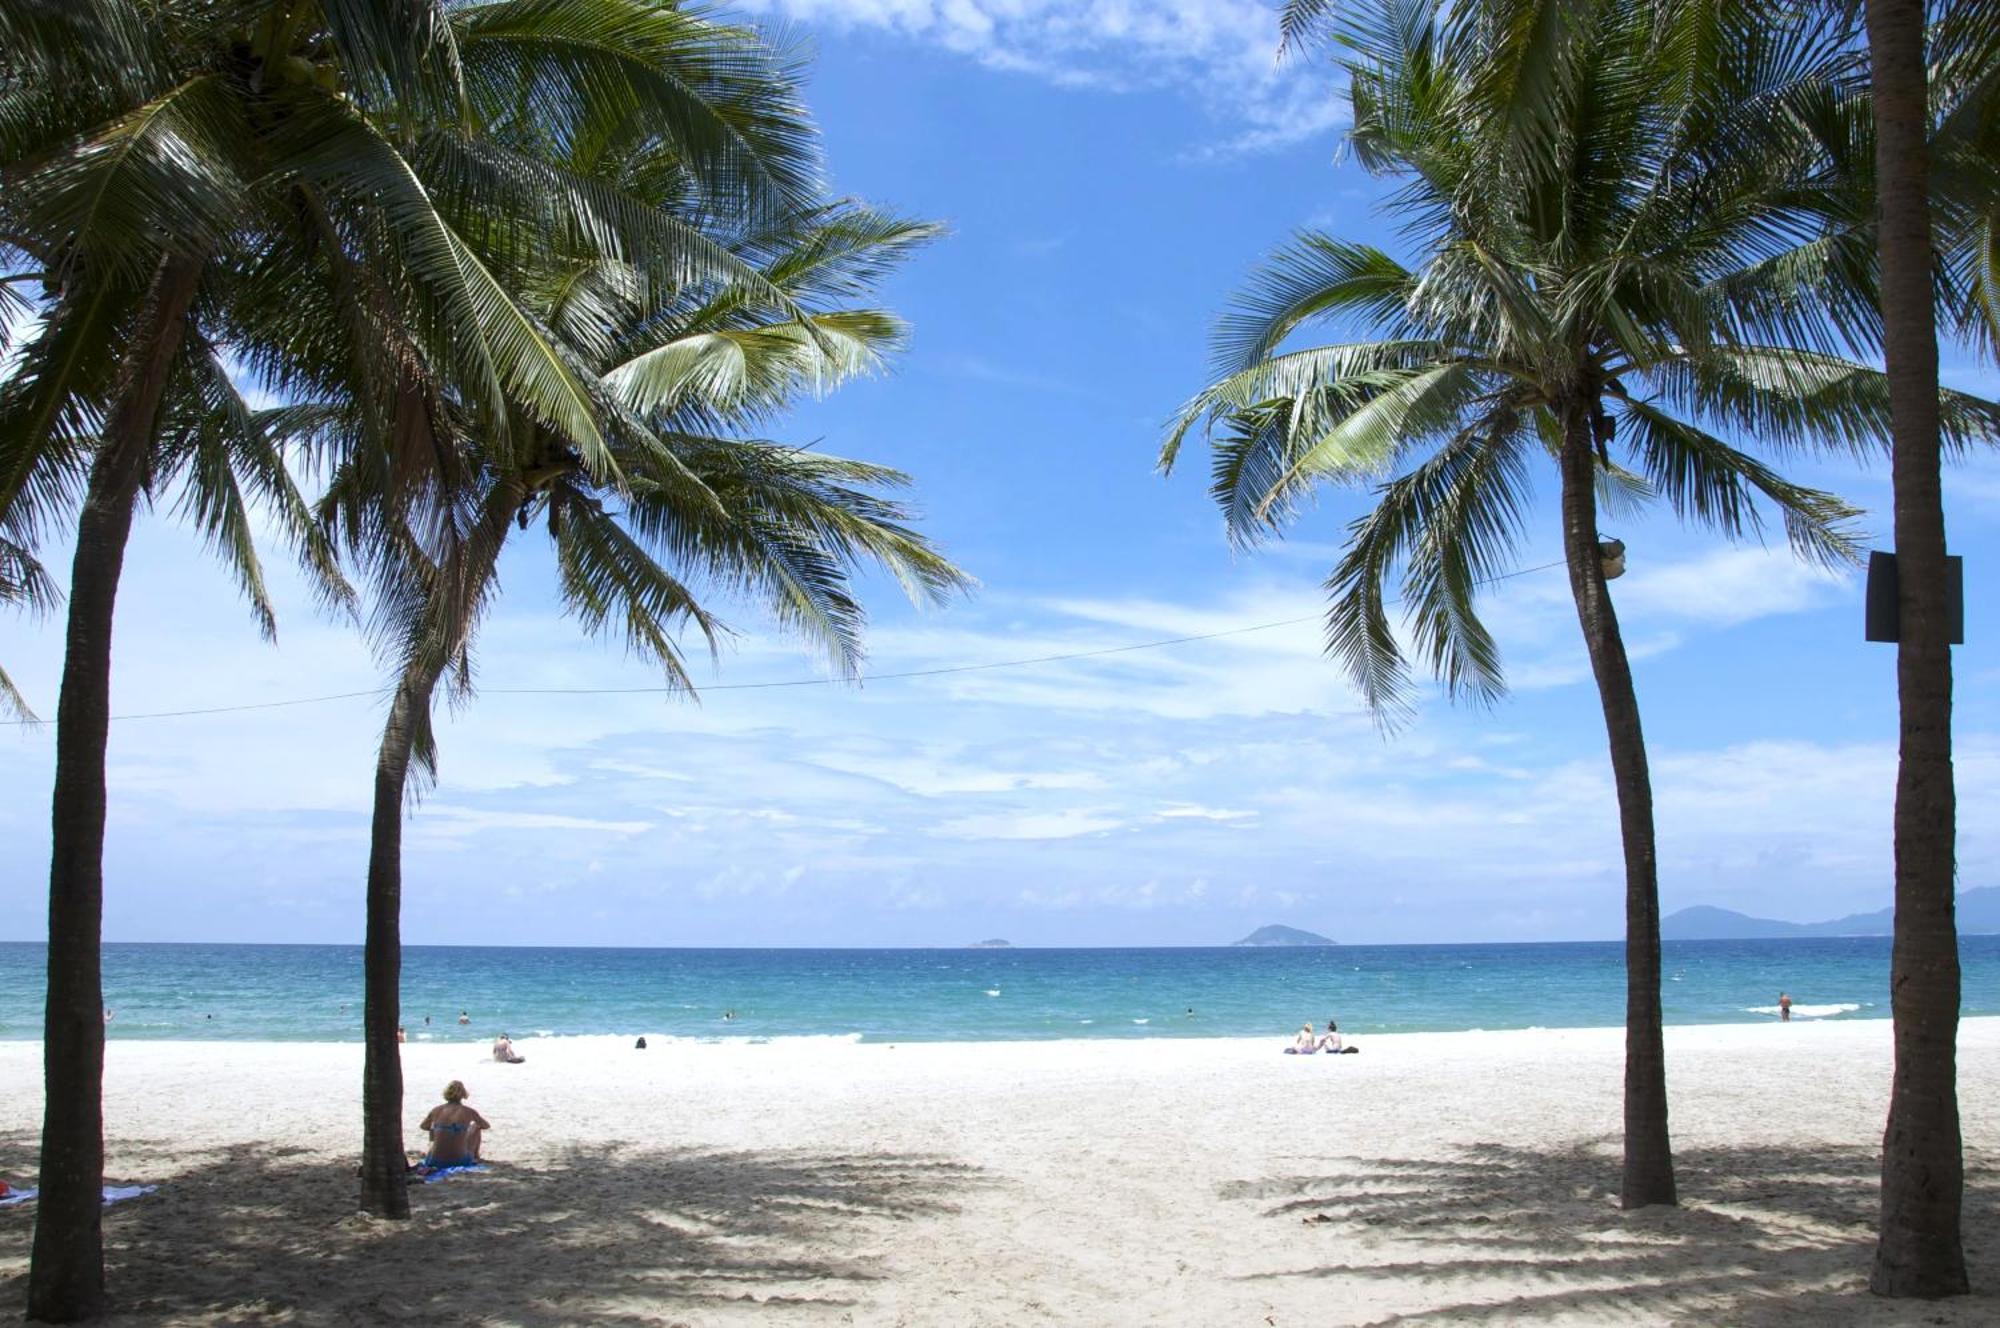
[(1884, 615)]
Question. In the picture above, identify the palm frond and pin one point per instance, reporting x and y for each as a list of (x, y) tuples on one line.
[(1454, 521), (1714, 485), (168, 167), (1334, 369), (725, 102), (400, 54), (607, 578), (201, 430), (747, 372), (1345, 438), (1301, 22), (1794, 400), (503, 350), (792, 526), (1315, 276), (52, 407), (12, 702)]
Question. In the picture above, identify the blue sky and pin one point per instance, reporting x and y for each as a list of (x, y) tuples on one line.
[(1109, 172)]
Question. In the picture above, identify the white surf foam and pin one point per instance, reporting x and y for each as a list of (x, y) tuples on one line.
[(1806, 1011)]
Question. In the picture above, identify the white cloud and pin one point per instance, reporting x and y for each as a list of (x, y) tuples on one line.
[(1729, 586), (1224, 51), (940, 773), (1191, 811), (1193, 784), (1065, 824), (453, 822)]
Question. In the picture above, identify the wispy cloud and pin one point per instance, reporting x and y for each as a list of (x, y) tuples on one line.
[(1731, 586), (1223, 51), (1209, 786), (1065, 824)]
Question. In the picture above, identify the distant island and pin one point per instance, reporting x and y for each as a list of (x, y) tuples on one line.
[(994, 944), (1978, 912), (1276, 935)]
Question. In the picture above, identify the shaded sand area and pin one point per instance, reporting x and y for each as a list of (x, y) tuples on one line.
[(1434, 1178)]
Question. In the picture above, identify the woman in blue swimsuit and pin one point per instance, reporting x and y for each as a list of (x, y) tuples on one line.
[(455, 1131)]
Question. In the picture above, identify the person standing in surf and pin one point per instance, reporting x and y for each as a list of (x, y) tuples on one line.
[(1784, 1008)]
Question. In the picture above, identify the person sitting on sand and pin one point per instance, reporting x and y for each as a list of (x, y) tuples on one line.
[(1303, 1044), (503, 1051), (1330, 1041), (455, 1130)]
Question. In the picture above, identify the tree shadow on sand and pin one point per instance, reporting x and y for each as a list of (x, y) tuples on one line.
[(655, 1236), (1500, 1234)]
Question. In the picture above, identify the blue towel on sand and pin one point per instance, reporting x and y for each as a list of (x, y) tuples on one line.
[(112, 1194), (432, 1175)]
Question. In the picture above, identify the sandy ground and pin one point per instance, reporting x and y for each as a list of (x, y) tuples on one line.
[(1439, 1178)]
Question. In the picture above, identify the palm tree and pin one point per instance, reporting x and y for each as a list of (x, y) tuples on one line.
[(302, 189), (1887, 255), (1609, 200), (1919, 1252), (671, 361), (670, 507), (176, 422)]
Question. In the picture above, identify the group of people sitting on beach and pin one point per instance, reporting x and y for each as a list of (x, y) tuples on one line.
[(1307, 1042)]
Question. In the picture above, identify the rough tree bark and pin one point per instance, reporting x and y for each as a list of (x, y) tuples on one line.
[(66, 1269), (1919, 1250), (461, 586), (384, 1168), (1648, 1176)]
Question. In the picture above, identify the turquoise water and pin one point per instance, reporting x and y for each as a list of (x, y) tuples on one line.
[(313, 993)]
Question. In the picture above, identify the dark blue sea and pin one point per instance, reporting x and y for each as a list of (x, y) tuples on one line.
[(313, 992)]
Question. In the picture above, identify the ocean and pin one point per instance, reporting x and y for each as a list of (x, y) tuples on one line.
[(294, 993)]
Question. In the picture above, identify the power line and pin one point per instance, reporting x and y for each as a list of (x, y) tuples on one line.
[(1026, 662)]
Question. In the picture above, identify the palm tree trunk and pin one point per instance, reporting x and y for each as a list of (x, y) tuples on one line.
[(1649, 1160), (454, 605), (66, 1271), (384, 1169), (1919, 1251)]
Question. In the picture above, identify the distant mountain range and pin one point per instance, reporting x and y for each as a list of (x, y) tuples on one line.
[(995, 944), (1276, 935), (1978, 911)]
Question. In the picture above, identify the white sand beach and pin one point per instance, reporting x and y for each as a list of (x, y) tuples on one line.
[(1434, 1178)]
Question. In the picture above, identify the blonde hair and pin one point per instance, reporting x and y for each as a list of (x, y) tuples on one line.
[(454, 1091)]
